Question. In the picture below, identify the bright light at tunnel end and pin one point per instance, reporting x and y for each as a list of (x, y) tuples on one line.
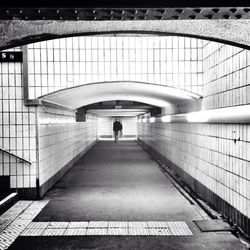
[(152, 119), (166, 118)]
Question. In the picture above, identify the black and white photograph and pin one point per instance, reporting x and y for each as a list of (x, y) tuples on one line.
[(124, 125)]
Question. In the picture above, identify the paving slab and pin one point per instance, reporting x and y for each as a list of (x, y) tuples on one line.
[(118, 184), (115, 181)]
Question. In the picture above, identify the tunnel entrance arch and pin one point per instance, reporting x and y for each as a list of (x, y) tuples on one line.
[(17, 32)]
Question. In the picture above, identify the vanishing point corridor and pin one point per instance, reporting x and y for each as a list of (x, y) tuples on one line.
[(124, 125)]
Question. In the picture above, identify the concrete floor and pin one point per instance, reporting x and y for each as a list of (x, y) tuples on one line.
[(121, 182)]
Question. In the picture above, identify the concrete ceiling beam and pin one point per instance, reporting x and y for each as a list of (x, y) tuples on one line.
[(19, 32)]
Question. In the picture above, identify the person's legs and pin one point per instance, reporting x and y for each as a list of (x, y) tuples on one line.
[(116, 136)]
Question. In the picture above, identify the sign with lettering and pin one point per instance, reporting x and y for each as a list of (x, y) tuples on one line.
[(11, 56)]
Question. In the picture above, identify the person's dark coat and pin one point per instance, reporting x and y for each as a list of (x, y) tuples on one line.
[(117, 126)]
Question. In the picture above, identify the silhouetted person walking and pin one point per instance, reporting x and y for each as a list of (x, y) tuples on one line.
[(117, 127)]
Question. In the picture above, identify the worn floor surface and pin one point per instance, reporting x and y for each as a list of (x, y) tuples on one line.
[(120, 182)]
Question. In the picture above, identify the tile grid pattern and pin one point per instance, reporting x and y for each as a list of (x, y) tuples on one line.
[(17, 131), (16, 219), (208, 153), (130, 228), (67, 62), (61, 139), (226, 76)]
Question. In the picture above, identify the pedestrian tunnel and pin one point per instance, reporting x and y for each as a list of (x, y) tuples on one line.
[(183, 99)]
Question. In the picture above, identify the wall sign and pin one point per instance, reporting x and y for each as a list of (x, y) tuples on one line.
[(11, 56)]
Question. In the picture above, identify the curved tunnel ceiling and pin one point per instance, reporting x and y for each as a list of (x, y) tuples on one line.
[(153, 94)]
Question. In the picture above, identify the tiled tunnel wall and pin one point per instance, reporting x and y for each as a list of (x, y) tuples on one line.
[(18, 128), (61, 142), (226, 76), (66, 62), (60, 138), (205, 155)]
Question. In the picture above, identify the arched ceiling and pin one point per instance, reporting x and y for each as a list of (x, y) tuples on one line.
[(153, 94)]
